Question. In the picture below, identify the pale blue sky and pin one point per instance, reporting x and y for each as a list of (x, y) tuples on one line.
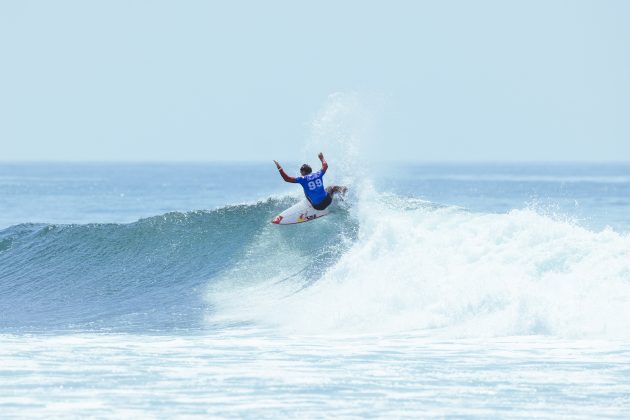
[(237, 80)]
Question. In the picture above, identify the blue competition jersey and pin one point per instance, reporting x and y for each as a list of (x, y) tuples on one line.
[(313, 186)]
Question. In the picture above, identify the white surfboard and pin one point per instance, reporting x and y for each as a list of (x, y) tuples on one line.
[(299, 213)]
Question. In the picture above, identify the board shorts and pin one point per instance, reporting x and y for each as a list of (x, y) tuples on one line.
[(324, 203)]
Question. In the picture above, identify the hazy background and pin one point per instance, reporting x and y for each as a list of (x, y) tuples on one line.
[(248, 80)]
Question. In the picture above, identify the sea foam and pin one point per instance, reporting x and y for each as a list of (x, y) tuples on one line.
[(411, 265)]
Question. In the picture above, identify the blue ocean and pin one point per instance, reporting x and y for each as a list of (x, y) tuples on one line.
[(431, 290)]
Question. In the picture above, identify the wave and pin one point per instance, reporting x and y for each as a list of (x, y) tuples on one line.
[(383, 264)]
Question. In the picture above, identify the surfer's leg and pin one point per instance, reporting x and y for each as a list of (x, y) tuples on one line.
[(336, 189)]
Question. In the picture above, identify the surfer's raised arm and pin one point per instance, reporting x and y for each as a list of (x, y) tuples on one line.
[(283, 174), (324, 164)]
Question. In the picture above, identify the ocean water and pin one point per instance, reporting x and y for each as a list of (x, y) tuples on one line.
[(432, 290)]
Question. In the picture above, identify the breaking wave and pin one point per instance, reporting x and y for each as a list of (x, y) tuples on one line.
[(383, 264)]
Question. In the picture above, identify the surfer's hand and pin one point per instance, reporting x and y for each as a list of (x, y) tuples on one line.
[(277, 164), (320, 156)]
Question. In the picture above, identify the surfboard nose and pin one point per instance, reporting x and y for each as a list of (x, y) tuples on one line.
[(277, 220)]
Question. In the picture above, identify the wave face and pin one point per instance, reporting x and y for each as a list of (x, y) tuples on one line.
[(381, 265), (147, 275)]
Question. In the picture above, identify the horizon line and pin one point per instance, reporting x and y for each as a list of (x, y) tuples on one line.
[(260, 161)]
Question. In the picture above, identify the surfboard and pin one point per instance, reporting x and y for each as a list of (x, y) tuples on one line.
[(299, 213)]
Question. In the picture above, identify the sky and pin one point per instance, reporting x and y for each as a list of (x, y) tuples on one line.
[(450, 80)]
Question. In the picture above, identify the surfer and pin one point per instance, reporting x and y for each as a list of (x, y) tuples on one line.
[(319, 196)]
